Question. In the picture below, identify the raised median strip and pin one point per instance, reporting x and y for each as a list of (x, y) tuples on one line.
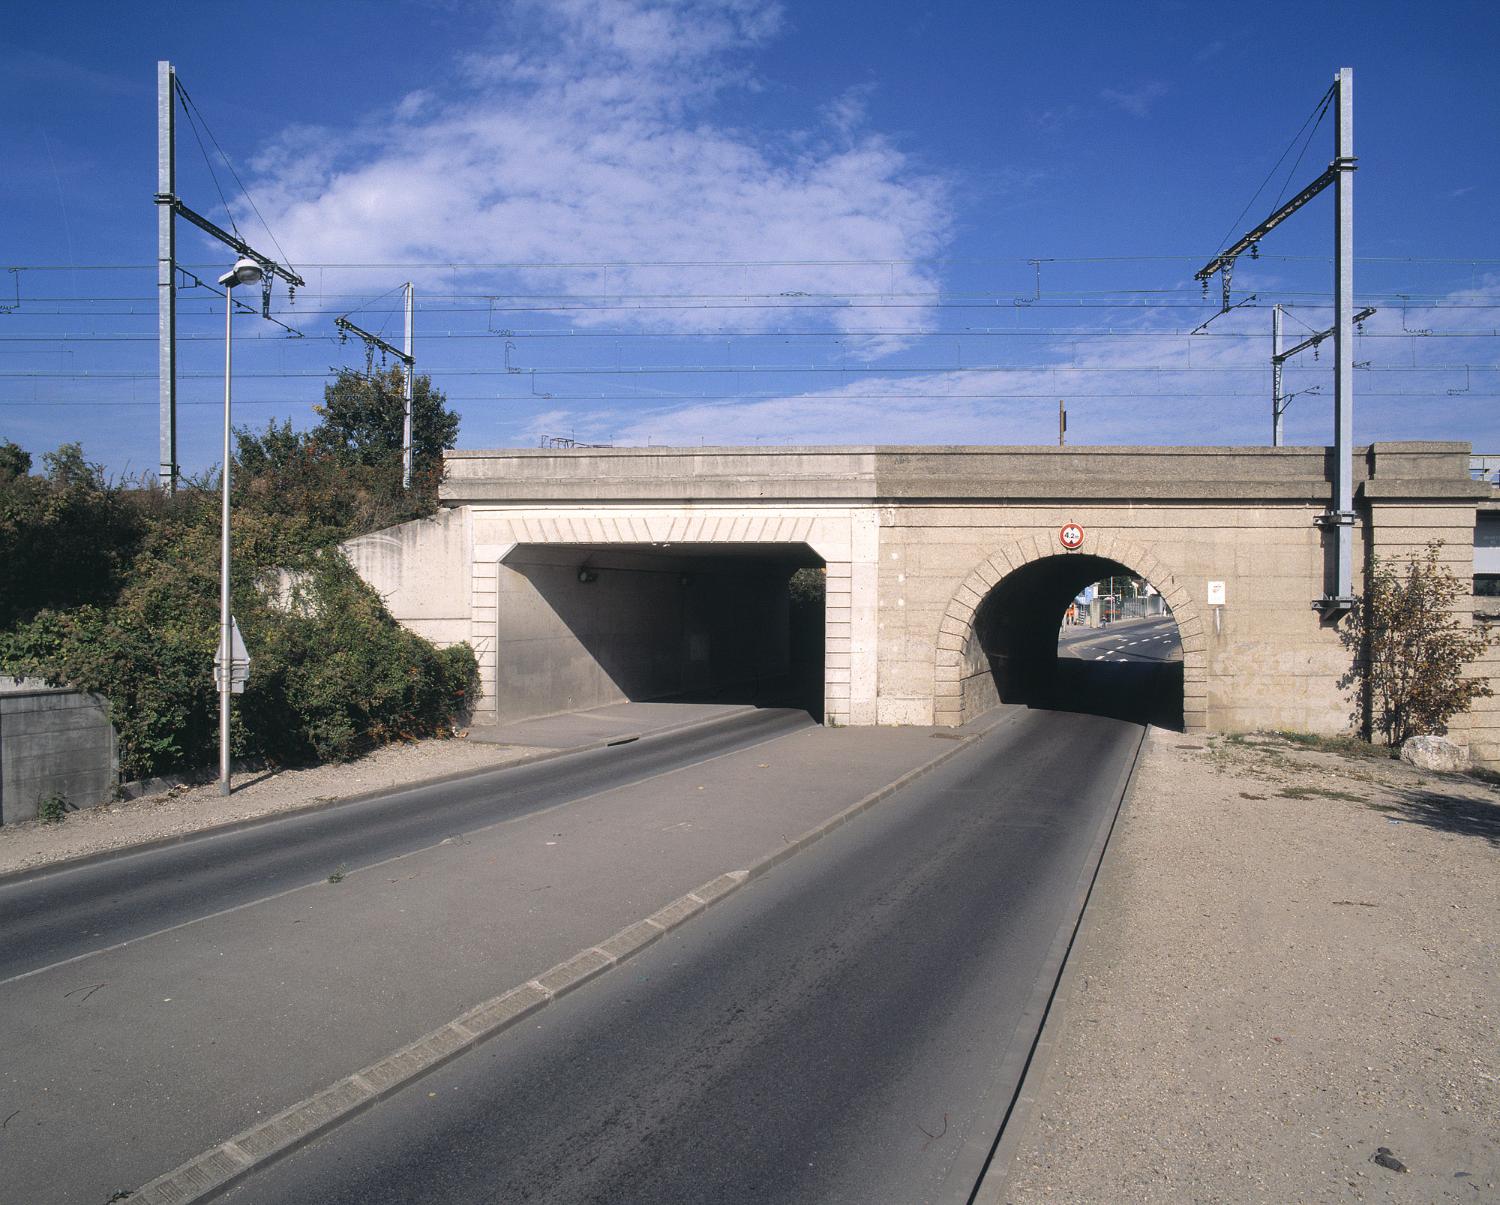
[(214, 1170)]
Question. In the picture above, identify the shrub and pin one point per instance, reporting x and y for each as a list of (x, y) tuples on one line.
[(332, 673), (1411, 649), (66, 537)]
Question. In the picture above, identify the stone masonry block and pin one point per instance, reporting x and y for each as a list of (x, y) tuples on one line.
[(676, 912), (503, 1010), (717, 888), (578, 969), (302, 1120)]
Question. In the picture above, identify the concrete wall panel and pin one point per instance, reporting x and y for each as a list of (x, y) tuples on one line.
[(54, 742)]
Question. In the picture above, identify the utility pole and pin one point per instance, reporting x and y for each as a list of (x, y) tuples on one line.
[(1062, 423), (168, 207), (1340, 174), (406, 449), (1279, 401), (408, 364), (166, 271), (1342, 516), (1277, 405)]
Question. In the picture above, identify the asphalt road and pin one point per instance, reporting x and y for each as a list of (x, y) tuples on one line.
[(849, 1027), (70, 913), (1127, 640)]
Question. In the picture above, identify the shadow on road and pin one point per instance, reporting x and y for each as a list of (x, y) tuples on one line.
[(1140, 692)]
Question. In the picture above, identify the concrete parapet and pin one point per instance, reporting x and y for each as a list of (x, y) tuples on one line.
[(54, 743)]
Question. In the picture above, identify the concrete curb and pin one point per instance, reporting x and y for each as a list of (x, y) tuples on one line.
[(211, 1172), (233, 826), (1049, 999)]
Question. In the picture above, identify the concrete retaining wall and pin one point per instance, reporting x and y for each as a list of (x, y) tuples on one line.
[(54, 742)]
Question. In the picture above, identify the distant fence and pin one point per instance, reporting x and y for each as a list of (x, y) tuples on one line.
[(55, 745)]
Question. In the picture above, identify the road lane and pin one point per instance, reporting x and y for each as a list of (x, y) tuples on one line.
[(67, 913), (840, 1030), (1153, 639), (161, 1049)]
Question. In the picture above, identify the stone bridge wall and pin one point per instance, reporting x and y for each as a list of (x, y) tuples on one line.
[(913, 539)]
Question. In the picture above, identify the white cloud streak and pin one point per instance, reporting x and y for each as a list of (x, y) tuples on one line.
[(1151, 387), (606, 149), (1136, 101)]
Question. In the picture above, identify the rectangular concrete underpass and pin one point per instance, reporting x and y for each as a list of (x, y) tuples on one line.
[(588, 625)]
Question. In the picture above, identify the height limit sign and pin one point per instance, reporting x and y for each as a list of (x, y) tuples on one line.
[(1071, 536)]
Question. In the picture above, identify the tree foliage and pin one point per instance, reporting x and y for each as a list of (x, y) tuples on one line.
[(65, 535), (363, 419), (123, 600), (1412, 647)]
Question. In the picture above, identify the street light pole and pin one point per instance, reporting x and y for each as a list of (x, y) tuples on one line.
[(225, 652), (246, 271)]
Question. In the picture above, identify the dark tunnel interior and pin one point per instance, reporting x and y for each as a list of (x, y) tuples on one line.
[(1016, 641)]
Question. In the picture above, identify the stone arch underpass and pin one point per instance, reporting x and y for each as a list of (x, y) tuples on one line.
[(582, 574), (997, 641)]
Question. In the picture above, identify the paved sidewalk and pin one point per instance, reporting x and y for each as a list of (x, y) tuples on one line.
[(1290, 961), (157, 1050), (611, 723)]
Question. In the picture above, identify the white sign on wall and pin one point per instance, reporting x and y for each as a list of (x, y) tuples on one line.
[(1216, 594)]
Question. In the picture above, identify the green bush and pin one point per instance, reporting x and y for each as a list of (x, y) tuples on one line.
[(332, 674), (66, 536)]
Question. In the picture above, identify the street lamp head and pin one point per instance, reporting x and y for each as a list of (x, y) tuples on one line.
[(245, 272)]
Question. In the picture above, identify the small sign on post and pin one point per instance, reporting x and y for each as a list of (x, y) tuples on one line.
[(1216, 594), (239, 661)]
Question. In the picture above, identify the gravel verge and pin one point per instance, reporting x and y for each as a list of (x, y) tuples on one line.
[(1291, 961), (184, 810)]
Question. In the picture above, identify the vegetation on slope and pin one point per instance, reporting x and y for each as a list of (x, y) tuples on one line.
[(113, 588)]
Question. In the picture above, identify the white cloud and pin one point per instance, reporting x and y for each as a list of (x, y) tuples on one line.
[(1136, 101), (596, 142), (1154, 384)]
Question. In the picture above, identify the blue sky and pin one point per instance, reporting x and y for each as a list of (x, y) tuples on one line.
[(725, 221)]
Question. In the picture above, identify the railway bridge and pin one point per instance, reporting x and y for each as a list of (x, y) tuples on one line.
[(585, 576)]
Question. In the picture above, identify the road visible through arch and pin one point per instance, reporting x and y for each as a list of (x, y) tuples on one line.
[(1130, 669), (1153, 639)]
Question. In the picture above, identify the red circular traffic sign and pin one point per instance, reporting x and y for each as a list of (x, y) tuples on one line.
[(1071, 536)]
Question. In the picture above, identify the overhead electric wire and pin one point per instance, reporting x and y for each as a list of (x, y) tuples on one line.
[(1306, 142), (207, 162), (740, 398), (188, 101), (1020, 261)]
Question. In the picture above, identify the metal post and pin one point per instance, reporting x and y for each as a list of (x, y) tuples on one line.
[(166, 271), (1276, 376), (226, 652), (1062, 423), (1343, 341), (406, 449)]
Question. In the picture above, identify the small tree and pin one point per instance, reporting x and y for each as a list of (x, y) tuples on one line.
[(1411, 648), (362, 419)]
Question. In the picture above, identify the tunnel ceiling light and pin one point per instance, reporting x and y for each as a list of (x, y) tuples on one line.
[(587, 575)]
